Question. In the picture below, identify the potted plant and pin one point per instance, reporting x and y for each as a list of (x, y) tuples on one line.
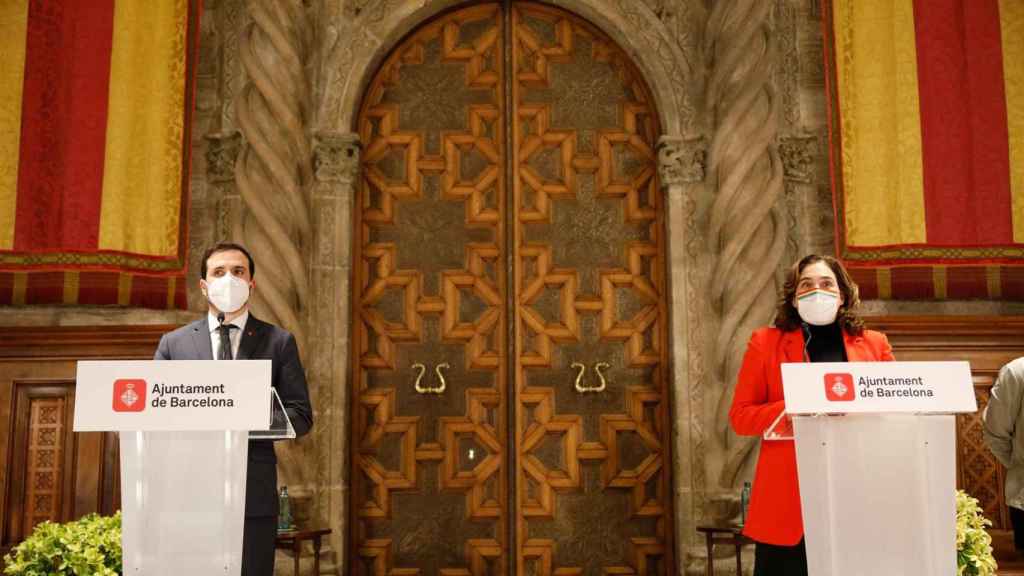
[(90, 545), (973, 543)]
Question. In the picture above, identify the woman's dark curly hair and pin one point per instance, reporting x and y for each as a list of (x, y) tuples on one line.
[(786, 316)]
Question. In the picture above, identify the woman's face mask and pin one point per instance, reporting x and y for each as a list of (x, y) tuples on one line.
[(817, 295), (818, 307)]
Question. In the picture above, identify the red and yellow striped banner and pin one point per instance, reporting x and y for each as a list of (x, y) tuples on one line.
[(926, 126), (95, 106)]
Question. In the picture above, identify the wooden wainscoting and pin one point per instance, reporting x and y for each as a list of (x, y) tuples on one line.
[(987, 342), (50, 472)]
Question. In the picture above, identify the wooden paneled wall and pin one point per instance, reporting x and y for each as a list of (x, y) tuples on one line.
[(988, 343), (50, 472)]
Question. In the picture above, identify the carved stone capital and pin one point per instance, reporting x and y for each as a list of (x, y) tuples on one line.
[(798, 157), (681, 160), (221, 153), (336, 157)]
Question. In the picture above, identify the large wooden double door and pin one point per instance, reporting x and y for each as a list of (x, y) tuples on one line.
[(510, 386)]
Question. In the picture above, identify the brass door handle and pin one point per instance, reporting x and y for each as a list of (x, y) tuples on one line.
[(599, 367), (440, 376), (423, 370), (420, 388), (579, 376)]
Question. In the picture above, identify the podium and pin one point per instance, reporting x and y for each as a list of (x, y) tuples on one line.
[(876, 460), (184, 429)]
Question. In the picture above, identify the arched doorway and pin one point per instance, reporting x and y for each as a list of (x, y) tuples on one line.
[(510, 381)]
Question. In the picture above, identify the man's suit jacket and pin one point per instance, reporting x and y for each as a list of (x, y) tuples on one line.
[(260, 341)]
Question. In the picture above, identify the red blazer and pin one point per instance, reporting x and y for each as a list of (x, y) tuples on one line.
[(774, 515)]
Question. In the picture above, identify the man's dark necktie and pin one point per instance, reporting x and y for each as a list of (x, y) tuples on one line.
[(225, 342)]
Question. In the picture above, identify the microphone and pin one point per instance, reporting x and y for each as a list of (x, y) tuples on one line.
[(807, 340), (220, 318)]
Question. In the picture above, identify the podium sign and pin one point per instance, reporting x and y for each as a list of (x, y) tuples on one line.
[(858, 387), (172, 395), (877, 464), (184, 439)]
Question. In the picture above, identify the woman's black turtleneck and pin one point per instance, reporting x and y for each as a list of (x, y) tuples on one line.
[(824, 343)]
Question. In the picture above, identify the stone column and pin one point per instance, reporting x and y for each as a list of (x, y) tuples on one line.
[(273, 174), (336, 168), (746, 228), (221, 154), (681, 171), (274, 168), (811, 212)]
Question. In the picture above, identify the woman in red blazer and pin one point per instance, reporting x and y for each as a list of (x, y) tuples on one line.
[(816, 321)]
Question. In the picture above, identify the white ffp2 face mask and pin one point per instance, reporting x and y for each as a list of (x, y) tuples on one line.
[(228, 293), (818, 307)]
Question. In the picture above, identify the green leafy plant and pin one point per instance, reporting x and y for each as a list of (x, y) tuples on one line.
[(973, 543), (89, 546)]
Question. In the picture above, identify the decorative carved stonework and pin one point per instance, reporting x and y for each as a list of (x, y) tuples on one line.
[(681, 161), (680, 71), (746, 221), (798, 156), (221, 153), (336, 157), (273, 172), (230, 16), (348, 38), (787, 70), (357, 8)]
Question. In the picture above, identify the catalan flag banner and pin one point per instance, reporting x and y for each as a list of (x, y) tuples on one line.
[(926, 126), (95, 105)]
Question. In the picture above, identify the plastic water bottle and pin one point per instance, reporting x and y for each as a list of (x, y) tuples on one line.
[(284, 515), (744, 502)]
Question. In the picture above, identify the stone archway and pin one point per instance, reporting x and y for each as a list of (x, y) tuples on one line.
[(665, 64), (509, 228), (289, 75), (357, 40)]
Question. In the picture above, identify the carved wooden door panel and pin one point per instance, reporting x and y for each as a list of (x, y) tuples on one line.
[(475, 449), (591, 393), (429, 441)]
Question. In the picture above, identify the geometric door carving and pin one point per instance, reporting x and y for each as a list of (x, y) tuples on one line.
[(429, 470), (593, 473), (510, 402)]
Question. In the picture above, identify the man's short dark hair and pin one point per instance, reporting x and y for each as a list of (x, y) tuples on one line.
[(226, 247)]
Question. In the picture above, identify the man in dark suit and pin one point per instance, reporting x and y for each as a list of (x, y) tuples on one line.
[(227, 332)]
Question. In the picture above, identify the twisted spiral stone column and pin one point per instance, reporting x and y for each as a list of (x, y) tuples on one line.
[(274, 168), (745, 224), (273, 172)]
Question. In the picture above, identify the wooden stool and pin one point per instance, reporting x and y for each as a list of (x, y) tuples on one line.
[(293, 539), (724, 534)]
